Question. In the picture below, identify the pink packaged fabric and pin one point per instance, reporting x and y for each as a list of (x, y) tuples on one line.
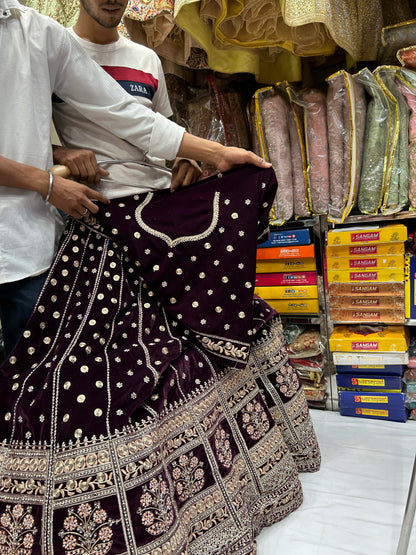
[(317, 149)]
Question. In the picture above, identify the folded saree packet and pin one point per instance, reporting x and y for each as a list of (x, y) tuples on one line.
[(382, 406), (369, 383), (368, 338), (285, 278), (350, 276), (366, 235), (365, 262), (287, 292), (372, 249), (295, 306), (370, 370), (386, 315), (366, 289), (366, 302)]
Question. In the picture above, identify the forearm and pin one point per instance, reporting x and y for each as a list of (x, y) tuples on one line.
[(200, 149), (20, 176)]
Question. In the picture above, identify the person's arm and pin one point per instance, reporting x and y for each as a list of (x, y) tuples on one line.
[(222, 157), (69, 196), (81, 163)]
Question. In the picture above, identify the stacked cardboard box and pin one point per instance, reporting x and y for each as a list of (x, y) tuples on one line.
[(370, 361), (365, 274), (286, 272)]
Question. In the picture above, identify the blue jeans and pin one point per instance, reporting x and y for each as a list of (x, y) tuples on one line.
[(17, 300)]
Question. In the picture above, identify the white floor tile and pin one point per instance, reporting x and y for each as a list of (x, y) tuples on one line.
[(355, 503)]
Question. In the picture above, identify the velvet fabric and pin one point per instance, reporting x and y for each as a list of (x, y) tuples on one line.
[(150, 406)]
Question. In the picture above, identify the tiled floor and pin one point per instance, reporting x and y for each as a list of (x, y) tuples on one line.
[(355, 503)]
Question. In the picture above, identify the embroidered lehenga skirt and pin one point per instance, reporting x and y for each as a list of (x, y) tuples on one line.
[(149, 406)]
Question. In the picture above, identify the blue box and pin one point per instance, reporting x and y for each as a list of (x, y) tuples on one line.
[(363, 382), (287, 237), (382, 406), (371, 369)]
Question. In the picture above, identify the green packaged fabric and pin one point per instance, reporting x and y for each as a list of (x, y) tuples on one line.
[(370, 193), (397, 159)]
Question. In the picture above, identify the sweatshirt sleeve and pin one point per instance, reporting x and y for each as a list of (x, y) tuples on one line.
[(83, 84)]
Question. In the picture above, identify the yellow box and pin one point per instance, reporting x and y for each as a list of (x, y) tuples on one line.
[(282, 292), (352, 276), (286, 265), (365, 262), (385, 339), (295, 306), (373, 249), (366, 235)]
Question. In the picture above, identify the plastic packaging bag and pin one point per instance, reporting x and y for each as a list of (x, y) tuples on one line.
[(272, 114), (397, 177), (370, 192), (346, 111)]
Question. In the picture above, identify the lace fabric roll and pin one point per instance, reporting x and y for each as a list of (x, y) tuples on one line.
[(316, 135), (370, 191), (346, 121), (397, 183), (274, 111)]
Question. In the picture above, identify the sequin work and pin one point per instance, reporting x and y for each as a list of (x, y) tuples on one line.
[(136, 421)]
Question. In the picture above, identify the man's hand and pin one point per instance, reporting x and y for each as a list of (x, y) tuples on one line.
[(184, 172), (75, 198), (231, 157), (81, 162)]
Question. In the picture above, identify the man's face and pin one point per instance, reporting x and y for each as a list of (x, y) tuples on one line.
[(107, 13)]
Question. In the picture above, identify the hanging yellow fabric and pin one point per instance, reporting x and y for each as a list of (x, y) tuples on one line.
[(267, 69), (64, 11)]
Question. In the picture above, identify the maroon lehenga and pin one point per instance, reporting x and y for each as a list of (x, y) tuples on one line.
[(150, 406)]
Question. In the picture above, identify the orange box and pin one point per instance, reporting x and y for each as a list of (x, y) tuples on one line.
[(296, 251), (366, 302), (385, 275), (386, 315), (367, 289)]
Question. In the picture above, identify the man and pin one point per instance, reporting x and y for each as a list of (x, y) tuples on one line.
[(39, 58), (139, 71)]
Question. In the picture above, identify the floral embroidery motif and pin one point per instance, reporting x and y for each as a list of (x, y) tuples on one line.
[(87, 531), (156, 507), (255, 420), (17, 530), (223, 447), (189, 476), (288, 381)]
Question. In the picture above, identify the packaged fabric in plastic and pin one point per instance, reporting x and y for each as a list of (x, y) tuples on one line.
[(370, 191), (272, 115), (346, 112), (316, 138), (407, 56), (394, 38), (299, 158), (397, 178), (218, 113), (406, 81), (307, 344)]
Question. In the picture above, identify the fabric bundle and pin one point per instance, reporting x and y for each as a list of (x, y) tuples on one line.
[(397, 180), (406, 81), (273, 110), (370, 193), (346, 110), (316, 138)]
